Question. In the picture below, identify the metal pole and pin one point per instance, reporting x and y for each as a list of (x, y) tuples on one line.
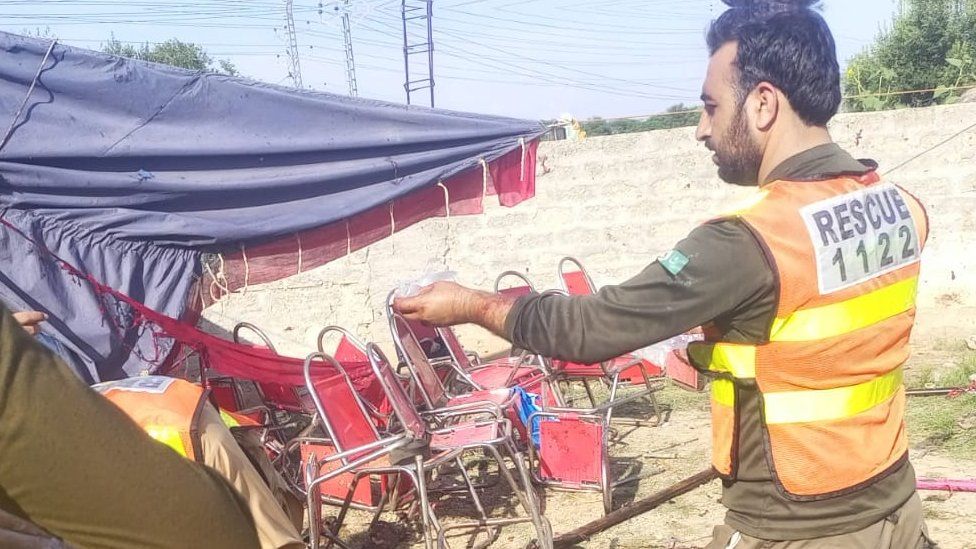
[(296, 67), (406, 50), (347, 46), (430, 48)]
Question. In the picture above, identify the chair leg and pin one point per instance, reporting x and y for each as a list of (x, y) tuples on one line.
[(384, 498), (650, 395), (492, 531), (589, 393), (314, 522), (614, 384), (426, 513), (526, 498)]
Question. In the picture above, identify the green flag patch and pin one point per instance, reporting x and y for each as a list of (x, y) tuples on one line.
[(673, 261)]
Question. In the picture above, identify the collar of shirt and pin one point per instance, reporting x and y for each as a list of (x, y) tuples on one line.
[(818, 163)]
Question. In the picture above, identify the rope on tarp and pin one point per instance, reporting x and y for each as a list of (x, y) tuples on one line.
[(522, 160), (298, 236), (484, 179), (247, 269), (30, 91), (348, 239)]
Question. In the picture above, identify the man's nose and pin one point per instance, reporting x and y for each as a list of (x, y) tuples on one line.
[(704, 130)]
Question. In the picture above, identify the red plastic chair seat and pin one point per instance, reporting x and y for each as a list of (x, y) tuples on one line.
[(495, 396), (495, 375), (627, 365), (368, 492), (572, 451), (463, 435)]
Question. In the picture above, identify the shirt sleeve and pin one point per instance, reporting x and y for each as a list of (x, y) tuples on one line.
[(716, 271)]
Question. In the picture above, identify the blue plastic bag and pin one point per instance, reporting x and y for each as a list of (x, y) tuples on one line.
[(527, 404)]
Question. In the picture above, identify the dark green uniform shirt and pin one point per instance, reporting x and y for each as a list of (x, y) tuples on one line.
[(78, 467), (728, 282)]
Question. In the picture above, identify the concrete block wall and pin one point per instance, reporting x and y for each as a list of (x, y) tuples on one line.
[(616, 203)]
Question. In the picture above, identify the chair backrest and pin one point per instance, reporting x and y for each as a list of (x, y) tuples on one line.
[(454, 347), (408, 346), (575, 281), (400, 401), (274, 394), (521, 285), (350, 352), (339, 407)]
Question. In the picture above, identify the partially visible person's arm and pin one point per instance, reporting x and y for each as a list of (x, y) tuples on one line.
[(718, 269)]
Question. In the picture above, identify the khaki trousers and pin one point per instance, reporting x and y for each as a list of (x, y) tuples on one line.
[(903, 529), (222, 453)]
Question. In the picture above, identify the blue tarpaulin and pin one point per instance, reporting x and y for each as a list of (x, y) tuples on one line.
[(131, 170)]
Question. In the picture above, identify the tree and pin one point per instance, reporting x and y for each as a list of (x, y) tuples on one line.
[(172, 52), (675, 116), (931, 45)]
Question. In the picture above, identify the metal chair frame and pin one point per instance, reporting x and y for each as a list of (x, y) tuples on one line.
[(360, 461), (415, 424)]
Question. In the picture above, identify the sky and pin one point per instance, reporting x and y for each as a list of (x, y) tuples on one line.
[(536, 59)]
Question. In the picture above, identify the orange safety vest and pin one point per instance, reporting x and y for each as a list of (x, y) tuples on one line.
[(845, 257), (167, 408)]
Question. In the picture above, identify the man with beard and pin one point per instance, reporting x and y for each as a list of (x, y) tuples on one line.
[(806, 297)]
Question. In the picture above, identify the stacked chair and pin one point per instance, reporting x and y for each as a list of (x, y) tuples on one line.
[(445, 436)]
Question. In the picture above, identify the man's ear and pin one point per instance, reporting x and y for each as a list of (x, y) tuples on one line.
[(766, 104)]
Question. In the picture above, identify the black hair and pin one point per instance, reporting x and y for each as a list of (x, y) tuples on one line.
[(785, 43)]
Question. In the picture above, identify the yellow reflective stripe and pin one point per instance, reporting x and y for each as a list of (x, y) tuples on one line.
[(830, 404), (229, 420), (168, 436), (846, 316), (730, 358), (723, 391)]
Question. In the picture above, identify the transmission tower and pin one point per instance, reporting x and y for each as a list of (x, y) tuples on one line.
[(295, 66), (347, 45), (417, 24)]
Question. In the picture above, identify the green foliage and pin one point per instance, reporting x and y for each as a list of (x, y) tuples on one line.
[(945, 424), (931, 45), (172, 52), (676, 116)]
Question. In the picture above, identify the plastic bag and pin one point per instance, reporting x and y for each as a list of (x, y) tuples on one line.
[(407, 288), (527, 404), (658, 353)]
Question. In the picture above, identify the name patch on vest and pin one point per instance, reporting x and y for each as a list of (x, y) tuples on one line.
[(156, 385), (860, 235)]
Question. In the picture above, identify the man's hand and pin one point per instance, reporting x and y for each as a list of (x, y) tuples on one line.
[(440, 304), (30, 320), (447, 304)]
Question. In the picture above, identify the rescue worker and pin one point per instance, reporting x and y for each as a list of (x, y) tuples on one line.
[(77, 467), (176, 413), (806, 296)]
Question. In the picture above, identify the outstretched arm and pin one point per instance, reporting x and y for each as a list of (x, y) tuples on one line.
[(448, 303)]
